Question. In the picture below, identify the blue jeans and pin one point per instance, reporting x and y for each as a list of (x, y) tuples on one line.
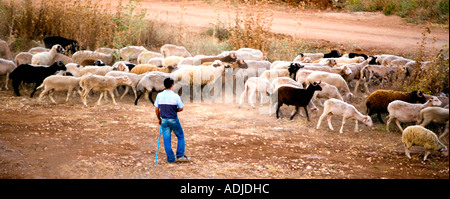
[(168, 125)]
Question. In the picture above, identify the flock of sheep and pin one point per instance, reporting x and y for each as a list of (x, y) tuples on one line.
[(301, 82)]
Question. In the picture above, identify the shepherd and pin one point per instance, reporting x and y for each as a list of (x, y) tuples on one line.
[(167, 106)]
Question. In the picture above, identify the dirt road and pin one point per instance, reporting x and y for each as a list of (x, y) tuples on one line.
[(223, 141), (365, 30)]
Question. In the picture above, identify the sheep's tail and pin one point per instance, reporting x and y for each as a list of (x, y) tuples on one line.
[(241, 99), (42, 85)]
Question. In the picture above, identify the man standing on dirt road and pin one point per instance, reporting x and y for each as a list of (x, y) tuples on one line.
[(167, 105)]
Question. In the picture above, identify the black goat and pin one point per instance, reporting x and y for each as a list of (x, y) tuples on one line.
[(296, 96), (70, 45), (33, 74)]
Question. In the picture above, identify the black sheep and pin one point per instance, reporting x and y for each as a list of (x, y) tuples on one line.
[(332, 54), (70, 45), (353, 55), (293, 68), (33, 74), (296, 96)]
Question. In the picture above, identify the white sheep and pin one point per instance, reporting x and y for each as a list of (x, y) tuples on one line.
[(86, 57), (155, 61), (174, 50), (274, 73), (58, 83), (311, 56), (407, 112), (171, 61), (23, 58), (342, 60), (420, 136), (96, 70), (6, 67), (286, 80), (347, 111), (436, 115), (147, 55), (134, 78), (5, 52), (330, 78), (328, 91), (74, 69), (255, 85), (131, 53), (198, 75), (101, 83), (36, 50), (190, 61), (46, 58)]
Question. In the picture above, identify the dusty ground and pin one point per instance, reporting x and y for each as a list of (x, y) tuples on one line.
[(223, 141)]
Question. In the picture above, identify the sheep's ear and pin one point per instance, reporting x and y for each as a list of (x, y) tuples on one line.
[(233, 56)]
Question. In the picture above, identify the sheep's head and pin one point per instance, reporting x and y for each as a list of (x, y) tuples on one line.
[(315, 86), (331, 62), (367, 121), (417, 96), (59, 65), (294, 67), (240, 64), (434, 101), (307, 60), (59, 48), (99, 62)]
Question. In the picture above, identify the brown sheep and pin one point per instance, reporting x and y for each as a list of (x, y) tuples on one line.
[(378, 101)]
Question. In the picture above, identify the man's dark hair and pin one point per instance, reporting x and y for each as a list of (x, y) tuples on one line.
[(168, 82)]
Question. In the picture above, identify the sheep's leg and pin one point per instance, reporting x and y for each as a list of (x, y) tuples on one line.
[(251, 96), (35, 87), (379, 118), (68, 94), (307, 115), (398, 124), (137, 97), (112, 96), (407, 152), (342, 126), (6, 81), (320, 119), (50, 95), (445, 131), (295, 112), (84, 94), (134, 91), (242, 97), (388, 122), (356, 86), (16, 85), (366, 87), (356, 126), (124, 93), (278, 110), (329, 121), (427, 152), (41, 96), (100, 98)]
